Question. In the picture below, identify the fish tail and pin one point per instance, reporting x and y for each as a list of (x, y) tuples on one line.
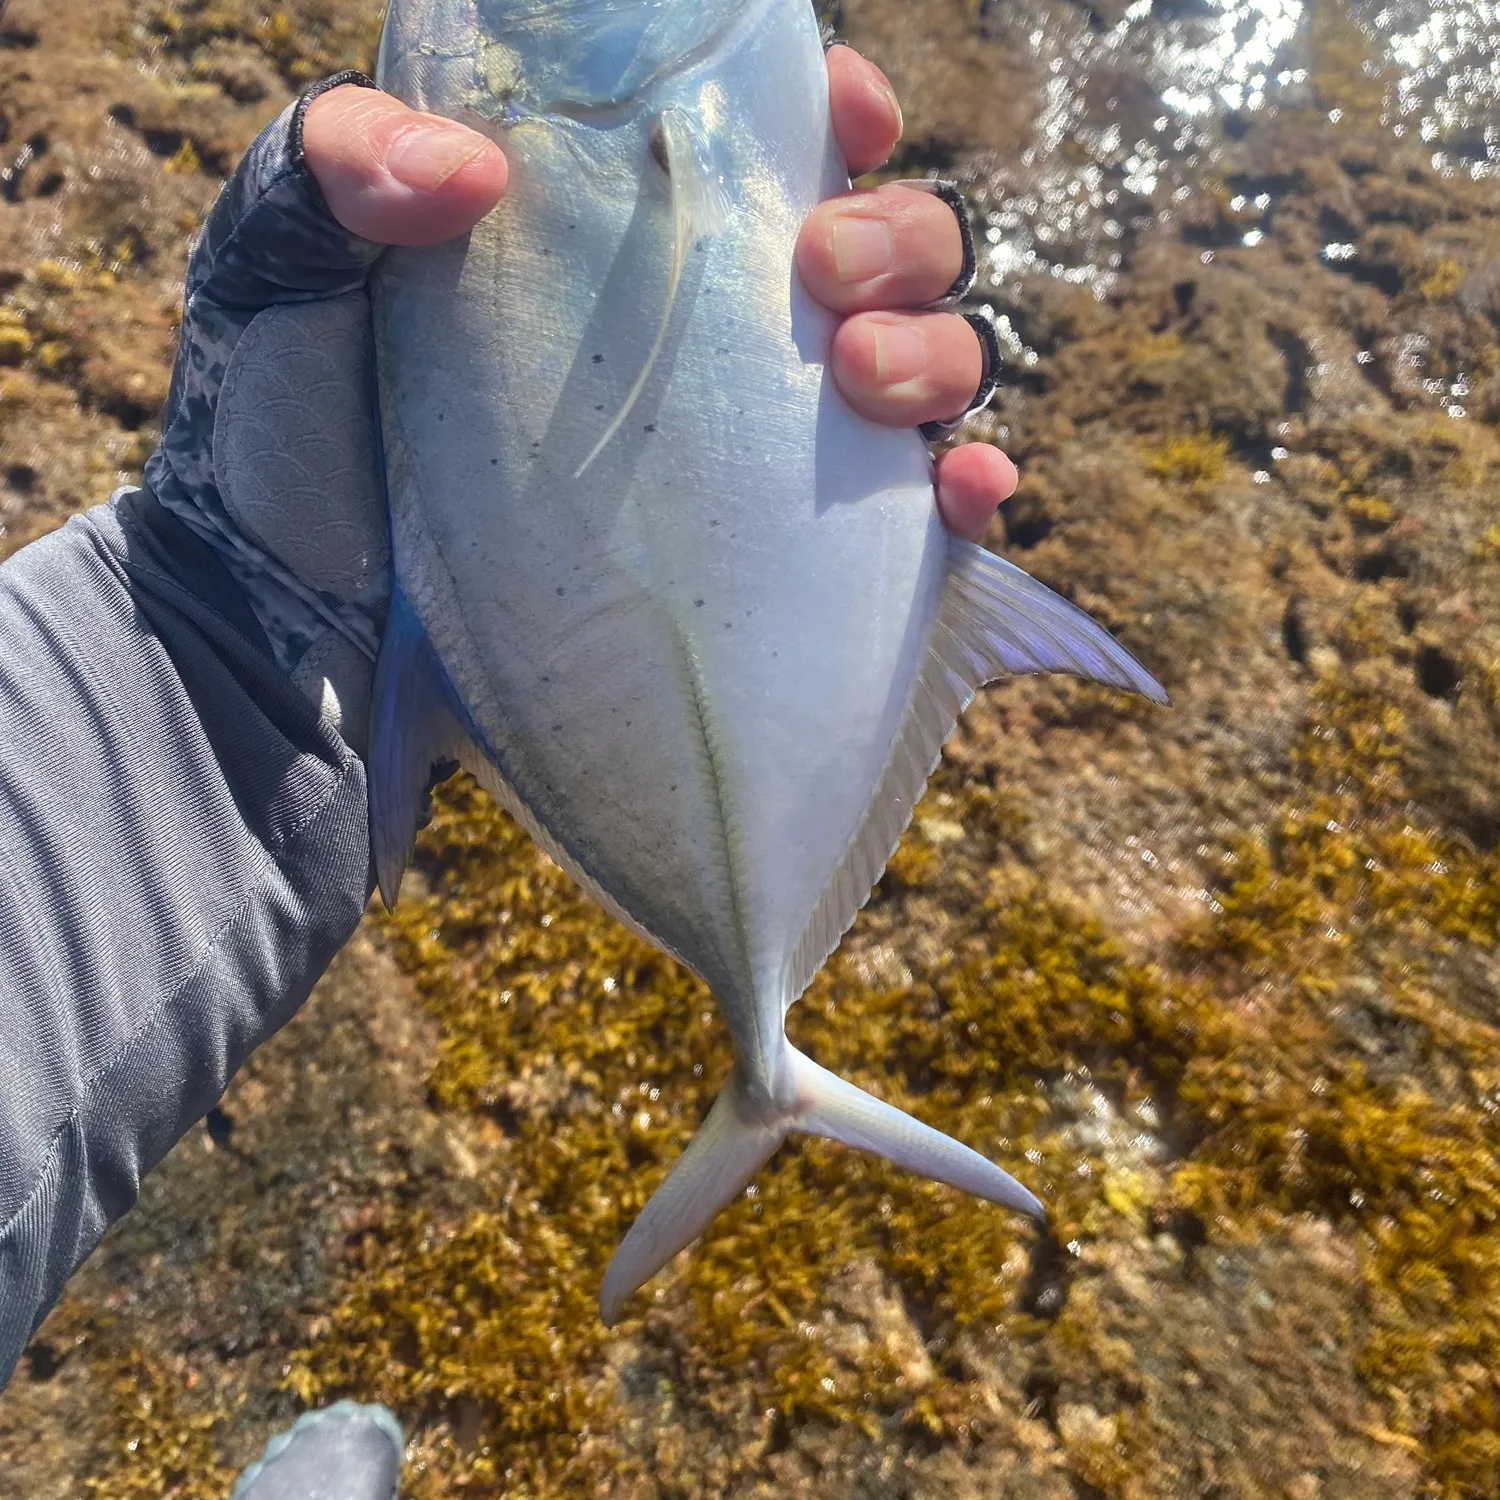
[(730, 1147), (743, 1130), (842, 1112)]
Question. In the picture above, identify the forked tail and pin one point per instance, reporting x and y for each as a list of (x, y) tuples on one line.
[(741, 1133)]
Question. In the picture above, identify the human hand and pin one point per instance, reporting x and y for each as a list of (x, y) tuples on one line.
[(269, 449), (398, 177)]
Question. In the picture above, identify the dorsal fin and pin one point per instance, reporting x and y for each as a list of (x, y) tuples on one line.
[(700, 209), (994, 621)]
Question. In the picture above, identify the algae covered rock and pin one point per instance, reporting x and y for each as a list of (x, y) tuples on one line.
[(1219, 982)]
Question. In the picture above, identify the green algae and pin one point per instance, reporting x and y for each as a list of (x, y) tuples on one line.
[(596, 1058), (1197, 460), (159, 1449)]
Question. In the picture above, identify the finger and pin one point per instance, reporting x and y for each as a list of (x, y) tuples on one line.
[(889, 248), (866, 116), (903, 369), (396, 176), (973, 482)]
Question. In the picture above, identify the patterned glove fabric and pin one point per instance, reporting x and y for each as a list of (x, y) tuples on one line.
[(269, 448)]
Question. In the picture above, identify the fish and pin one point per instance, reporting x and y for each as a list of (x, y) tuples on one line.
[(689, 618)]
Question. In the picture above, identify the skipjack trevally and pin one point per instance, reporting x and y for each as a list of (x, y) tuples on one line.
[(687, 616)]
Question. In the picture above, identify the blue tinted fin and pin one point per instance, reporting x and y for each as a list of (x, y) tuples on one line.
[(997, 621), (413, 726)]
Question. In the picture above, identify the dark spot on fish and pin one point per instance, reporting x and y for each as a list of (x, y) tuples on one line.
[(598, 359), (659, 148), (728, 625), (440, 416), (649, 427), (557, 729), (493, 462), (560, 591), (600, 407), (537, 443), (546, 250), (697, 604), (721, 351), (776, 653), (713, 523), (627, 723)]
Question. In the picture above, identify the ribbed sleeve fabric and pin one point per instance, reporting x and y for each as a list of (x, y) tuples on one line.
[(183, 849)]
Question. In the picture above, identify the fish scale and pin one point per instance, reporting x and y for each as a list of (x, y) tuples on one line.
[(689, 617)]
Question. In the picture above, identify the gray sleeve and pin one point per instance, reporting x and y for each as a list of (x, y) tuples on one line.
[(183, 848)]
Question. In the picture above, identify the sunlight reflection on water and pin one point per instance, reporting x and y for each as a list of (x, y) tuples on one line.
[(1445, 58), (1132, 117)]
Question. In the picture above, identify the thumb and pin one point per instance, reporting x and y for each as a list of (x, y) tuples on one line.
[(395, 176)]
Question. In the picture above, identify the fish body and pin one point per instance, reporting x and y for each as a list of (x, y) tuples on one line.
[(688, 616)]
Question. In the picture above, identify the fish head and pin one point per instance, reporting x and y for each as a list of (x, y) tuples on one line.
[(507, 60)]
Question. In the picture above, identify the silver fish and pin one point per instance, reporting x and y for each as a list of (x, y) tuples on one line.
[(690, 619)]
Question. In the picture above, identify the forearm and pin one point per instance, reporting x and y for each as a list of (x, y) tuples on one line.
[(183, 848)]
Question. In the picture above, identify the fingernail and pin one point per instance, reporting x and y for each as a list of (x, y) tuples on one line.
[(426, 156), (900, 352), (895, 104), (862, 248)]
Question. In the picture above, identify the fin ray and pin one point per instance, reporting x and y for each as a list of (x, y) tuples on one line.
[(413, 726), (994, 621)]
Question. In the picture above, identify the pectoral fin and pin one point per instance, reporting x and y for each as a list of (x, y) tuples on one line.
[(700, 209)]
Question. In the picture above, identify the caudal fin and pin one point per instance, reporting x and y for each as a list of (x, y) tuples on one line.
[(739, 1136), (844, 1113), (728, 1150)]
